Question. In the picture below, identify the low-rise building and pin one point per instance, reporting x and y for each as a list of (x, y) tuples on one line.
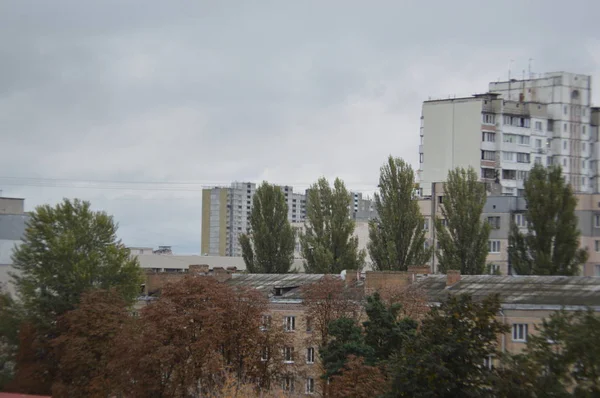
[(13, 221)]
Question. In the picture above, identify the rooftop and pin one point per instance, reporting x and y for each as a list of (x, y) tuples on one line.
[(520, 290), (269, 283)]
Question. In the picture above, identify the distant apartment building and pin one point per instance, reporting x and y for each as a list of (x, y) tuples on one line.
[(13, 221), (516, 124), (500, 211), (226, 214)]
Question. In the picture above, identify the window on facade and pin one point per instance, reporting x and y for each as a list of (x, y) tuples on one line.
[(566, 110), (309, 324), (289, 323), (597, 270), (488, 362), (564, 144), (288, 354), (488, 155), (583, 181), (538, 160), (509, 138), (508, 156), (597, 245), (583, 164), (519, 332), (523, 140), (582, 129), (565, 127), (489, 118), (288, 383), (597, 220), (265, 322), (488, 173), (444, 222), (565, 162), (509, 174), (538, 143), (421, 157), (310, 385), (494, 222), (264, 354), (310, 355), (426, 224), (538, 126), (523, 157), (522, 174), (494, 246), (520, 220), (488, 137)]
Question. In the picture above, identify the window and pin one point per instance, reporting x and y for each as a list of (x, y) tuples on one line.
[(288, 383), (266, 322), (565, 127), (509, 174), (583, 146), (494, 222), (583, 130), (548, 161), (565, 162), (523, 157), (488, 137), (538, 160), (488, 362), (265, 354), (583, 164), (519, 332), (488, 155), (288, 354), (565, 110), (522, 174), (309, 324), (520, 220), (444, 222), (426, 224), (597, 270), (488, 173), (494, 246), (508, 156), (421, 158), (597, 220), (489, 119), (583, 181), (564, 144), (440, 199), (289, 323), (310, 385), (538, 143), (523, 139), (538, 126), (597, 245), (512, 138), (310, 355), (550, 125)]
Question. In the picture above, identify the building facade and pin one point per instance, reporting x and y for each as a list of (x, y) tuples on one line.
[(504, 132), (13, 221), (226, 214), (500, 211)]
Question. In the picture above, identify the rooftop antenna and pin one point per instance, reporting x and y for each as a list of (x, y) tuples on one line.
[(531, 75), (509, 66)]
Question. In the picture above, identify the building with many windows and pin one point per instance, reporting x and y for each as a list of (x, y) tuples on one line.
[(226, 214), (502, 133), (13, 221)]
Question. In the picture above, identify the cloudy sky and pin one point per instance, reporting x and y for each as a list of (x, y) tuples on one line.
[(135, 105)]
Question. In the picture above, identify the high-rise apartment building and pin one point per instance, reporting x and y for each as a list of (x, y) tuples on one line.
[(517, 123), (226, 214)]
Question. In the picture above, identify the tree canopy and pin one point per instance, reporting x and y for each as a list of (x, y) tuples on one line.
[(68, 249), (551, 244), (397, 237), (328, 245), (461, 234), (268, 248)]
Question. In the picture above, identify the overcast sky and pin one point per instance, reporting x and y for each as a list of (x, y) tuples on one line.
[(207, 92)]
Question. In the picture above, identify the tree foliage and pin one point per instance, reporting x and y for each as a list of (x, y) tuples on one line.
[(327, 244), (84, 347), (445, 358), (10, 319), (268, 248), (551, 244), (66, 250), (561, 360), (397, 236), (463, 236), (358, 380), (189, 340)]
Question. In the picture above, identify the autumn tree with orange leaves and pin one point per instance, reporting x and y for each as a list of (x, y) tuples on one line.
[(358, 380)]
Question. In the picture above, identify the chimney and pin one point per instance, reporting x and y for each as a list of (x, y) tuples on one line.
[(452, 277), (352, 277), (199, 268), (221, 274)]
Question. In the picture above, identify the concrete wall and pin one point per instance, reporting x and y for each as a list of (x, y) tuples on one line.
[(12, 206), (451, 138)]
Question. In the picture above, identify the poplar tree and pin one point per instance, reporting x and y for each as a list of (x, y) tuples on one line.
[(397, 236), (463, 236), (268, 248), (551, 244), (328, 245)]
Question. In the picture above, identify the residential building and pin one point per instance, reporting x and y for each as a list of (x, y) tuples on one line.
[(13, 221), (504, 132), (525, 302), (500, 211), (226, 214)]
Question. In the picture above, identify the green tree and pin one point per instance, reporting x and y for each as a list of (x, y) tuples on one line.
[(445, 358), (397, 236), (384, 331), (10, 319), (268, 248), (551, 245), (345, 339), (461, 234), (67, 250), (328, 245)]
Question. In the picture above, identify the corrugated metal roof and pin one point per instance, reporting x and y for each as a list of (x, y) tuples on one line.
[(268, 283), (528, 290)]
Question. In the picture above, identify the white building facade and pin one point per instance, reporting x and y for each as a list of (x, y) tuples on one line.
[(504, 132)]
